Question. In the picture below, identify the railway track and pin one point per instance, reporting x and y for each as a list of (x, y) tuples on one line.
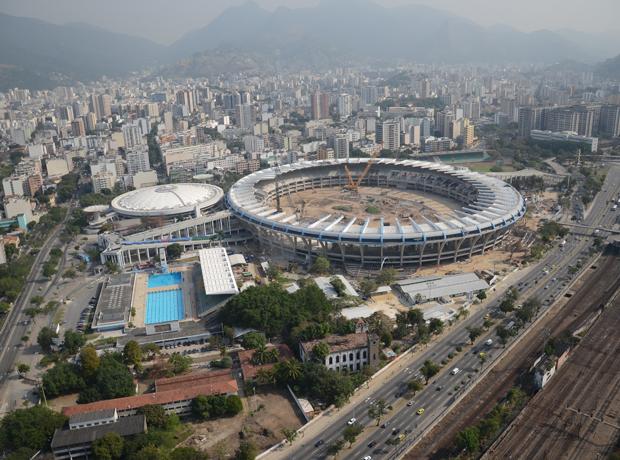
[(593, 291), (589, 382)]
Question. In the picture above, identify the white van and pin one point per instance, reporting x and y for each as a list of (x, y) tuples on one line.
[(455, 371)]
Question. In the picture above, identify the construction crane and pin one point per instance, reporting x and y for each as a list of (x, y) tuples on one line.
[(352, 185)]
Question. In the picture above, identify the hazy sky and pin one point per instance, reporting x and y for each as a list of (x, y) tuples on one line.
[(166, 20)]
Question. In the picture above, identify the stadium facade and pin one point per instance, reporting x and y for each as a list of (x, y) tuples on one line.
[(488, 208)]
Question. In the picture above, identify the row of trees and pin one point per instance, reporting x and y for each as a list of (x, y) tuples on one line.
[(479, 436)]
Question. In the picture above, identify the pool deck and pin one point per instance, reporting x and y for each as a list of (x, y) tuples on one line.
[(141, 291)]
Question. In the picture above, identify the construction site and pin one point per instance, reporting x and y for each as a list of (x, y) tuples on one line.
[(372, 203)]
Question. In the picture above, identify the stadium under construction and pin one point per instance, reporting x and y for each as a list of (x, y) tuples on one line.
[(364, 212)]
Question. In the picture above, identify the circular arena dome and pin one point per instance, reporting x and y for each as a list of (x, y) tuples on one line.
[(170, 200), (441, 214)]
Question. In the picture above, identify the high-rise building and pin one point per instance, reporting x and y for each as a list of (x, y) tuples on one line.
[(471, 108), (390, 134), (345, 106), (138, 160), (103, 180), (105, 105), (529, 118), (425, 88), (152, 110), (414, 134), (185, 98), (560, 119), (132, 135), (369, 95), (319, 105), (254, 144), (169, 122), (443, 120), (90, 122), (425, 127), (609, 121), (245, 116), (467, 133), (77, 127), (341, 146), (66, 113)]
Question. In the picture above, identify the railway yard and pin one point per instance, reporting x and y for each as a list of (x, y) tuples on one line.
[(594, 289), (576, 415)]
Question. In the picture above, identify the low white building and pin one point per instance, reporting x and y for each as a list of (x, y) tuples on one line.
[(346, 352)]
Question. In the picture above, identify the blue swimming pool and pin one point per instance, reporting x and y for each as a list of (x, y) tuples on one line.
[(164, 279), (164, 306)]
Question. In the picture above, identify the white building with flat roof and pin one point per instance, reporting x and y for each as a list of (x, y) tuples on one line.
[(217, 274), (421, 289)]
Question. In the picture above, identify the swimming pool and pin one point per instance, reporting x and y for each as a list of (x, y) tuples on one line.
[(164, 306), (164, 279)]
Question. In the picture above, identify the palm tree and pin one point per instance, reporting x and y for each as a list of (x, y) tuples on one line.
[(261, 355), (265, 377), (291, 370)]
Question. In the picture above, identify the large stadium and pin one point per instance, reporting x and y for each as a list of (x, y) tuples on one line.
[(400, 213)]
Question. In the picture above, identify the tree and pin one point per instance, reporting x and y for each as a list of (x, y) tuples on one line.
[(351, 432), (320, 351), (234, 405), (109, 447), (62, 379), (114, 379), (482, 357), (507, 305), (246, 451), (335, 447), (23, 368), (414, 385), (174, 251), (377, 410), (387, 276), (73, 341), (155, 415), (150, 452), (32, 428), (45, 339), (187, 453), (289, 370), (89, 362), (132, 353), (265, 376), (429, 369), (474, 333), (37, 300), (339, 286), (150, 350), (435, 326), (503, 334), (469, 439), (415, 316), (179, 363), (481, 295), (253, 340), (320, 265), (290, 435), (367, 287)]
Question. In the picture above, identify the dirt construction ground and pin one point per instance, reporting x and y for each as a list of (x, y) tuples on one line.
[(262, 421), (372, 202)]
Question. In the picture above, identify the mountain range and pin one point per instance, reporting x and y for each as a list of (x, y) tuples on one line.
[(248, 36)]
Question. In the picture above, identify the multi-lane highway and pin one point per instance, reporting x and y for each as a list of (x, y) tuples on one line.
[(546, 285), (17, 323)]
